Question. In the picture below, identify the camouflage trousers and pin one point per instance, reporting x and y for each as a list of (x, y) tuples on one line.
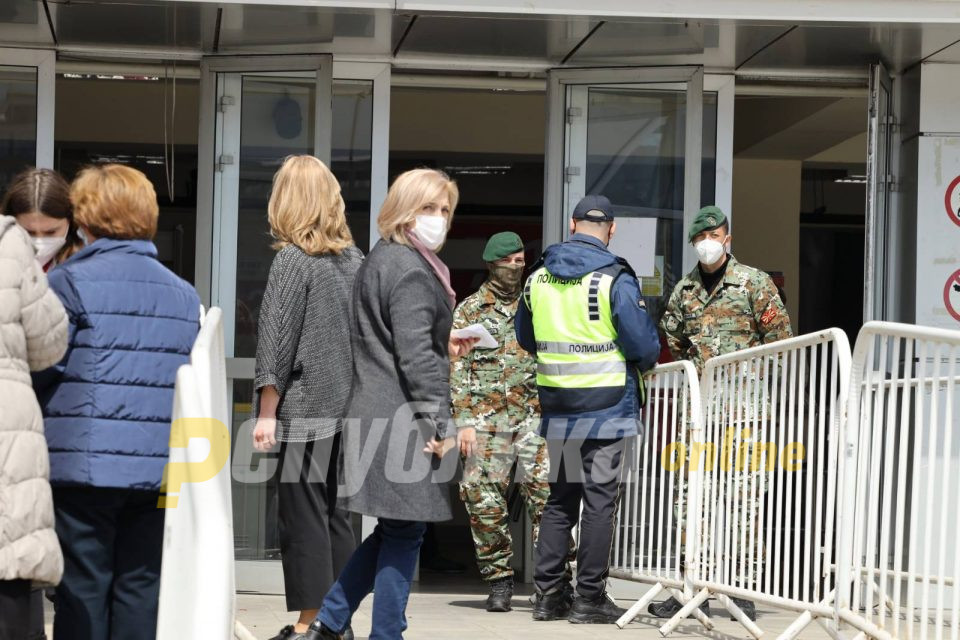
[(486, 481)]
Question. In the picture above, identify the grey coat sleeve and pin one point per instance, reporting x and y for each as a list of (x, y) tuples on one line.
[(413, 311), (281, 323)]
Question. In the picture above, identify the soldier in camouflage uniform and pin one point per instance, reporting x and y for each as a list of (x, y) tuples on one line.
[(495, 404), (720, 307)]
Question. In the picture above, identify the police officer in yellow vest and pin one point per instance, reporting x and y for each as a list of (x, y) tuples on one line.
[(583, 317)]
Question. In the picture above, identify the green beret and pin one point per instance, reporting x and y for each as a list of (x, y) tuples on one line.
[(501, 245), (708, 219)]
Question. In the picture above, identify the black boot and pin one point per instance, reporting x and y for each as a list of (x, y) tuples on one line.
[(599, 610), (501, 594), (668, 608), (747, 607), (319, 632), (554, 605)]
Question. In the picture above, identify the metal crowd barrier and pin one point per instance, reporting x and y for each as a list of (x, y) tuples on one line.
[(761, 467), (648, 539), (899, 559), (768, 487)]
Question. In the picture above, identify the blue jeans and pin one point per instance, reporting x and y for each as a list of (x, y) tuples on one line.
[(384, 563)]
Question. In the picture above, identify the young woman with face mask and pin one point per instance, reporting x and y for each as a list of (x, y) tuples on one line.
[(39, 199)]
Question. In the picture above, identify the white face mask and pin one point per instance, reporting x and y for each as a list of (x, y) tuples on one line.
[(47, 248), (432, 231), (710, 251)]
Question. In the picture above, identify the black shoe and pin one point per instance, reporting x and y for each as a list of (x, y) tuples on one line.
[(319, 632), (287, 633), (668, 608), (747, 607), (599, 610), (501, 594), (347, 634), (552, 606)]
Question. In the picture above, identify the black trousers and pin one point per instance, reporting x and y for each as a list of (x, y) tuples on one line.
[(316, 538), (112, 541), (21, 611), (587, 471), (14, 609)]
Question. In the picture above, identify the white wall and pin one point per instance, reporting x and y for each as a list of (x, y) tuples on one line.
[(938, 166)]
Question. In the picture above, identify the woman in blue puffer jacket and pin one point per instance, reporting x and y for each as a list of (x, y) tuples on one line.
[(107, 406)]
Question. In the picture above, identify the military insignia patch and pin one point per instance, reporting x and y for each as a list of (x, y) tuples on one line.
[(768, 315), (672, 324), (711, 221)]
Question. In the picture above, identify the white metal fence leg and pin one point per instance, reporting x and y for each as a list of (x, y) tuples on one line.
[(685, 612), (801, 623), (639, 606), (741, 617), (827, 626)]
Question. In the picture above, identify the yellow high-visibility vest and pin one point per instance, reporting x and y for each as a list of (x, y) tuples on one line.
[(573, 325)]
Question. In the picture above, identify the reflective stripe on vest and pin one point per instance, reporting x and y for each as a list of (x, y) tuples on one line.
[(573, 324), (573, 368)]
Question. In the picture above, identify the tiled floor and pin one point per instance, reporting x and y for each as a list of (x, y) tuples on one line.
[(455, 611), (459, 614)]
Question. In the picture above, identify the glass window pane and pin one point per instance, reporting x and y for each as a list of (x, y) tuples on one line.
[(352, 155), (635, 156), (18, 121), (267, 137), (496, 161), (277, 120), (254, 503)]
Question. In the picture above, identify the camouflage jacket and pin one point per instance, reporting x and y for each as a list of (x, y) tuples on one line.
[(493, 389), (743, 311)]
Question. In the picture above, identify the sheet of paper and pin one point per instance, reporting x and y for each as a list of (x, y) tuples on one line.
[(652, 287), (477, 331), (636, 240)]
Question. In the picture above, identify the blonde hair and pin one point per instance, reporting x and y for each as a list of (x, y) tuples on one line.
[(115, 201), (306, 208), (408, 193)]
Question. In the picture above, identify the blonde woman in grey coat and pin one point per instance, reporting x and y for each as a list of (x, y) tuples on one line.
[(33, 336), (303, 377), (398, 424)]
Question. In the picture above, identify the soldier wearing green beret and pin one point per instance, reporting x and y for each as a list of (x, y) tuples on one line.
[(720, 307), (495, 404)]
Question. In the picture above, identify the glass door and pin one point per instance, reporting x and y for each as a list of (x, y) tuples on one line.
[(646, 139), (26, 111), (259, 111), (254, 112)]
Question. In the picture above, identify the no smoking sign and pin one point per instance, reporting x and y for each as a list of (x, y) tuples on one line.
[(951, 200), (951, 295)]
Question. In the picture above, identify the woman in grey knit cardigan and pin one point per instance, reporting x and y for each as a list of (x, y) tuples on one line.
[(303, 372)]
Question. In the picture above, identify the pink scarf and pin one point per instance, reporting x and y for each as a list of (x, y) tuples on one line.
[(439, 269)]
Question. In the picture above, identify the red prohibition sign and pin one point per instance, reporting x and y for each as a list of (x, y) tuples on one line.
[(953, 308), (953, 210)]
